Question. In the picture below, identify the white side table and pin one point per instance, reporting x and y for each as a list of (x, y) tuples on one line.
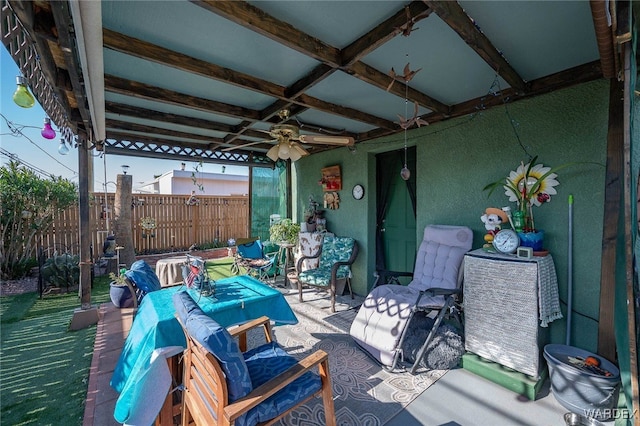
[(169, 270)]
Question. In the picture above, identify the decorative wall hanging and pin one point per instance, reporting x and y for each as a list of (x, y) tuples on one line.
[(331, 179), (331, 200), (148, 225)]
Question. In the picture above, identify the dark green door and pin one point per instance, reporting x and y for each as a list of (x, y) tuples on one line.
[(399, 236)]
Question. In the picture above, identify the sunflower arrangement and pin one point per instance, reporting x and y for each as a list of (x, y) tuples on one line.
[(531, 184)]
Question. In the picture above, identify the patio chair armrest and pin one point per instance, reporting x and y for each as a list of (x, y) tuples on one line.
[(256, 396), (384, 275), (303, 258), (434, 291), (135, 294), (241, 330)]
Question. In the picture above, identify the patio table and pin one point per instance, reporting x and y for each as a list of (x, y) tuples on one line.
[(237, 300)]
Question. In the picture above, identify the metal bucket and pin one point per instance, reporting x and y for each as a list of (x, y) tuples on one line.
[(579, 390)]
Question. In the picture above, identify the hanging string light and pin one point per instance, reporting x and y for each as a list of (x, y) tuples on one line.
[(47, 131), (62, 148), (21, 96)]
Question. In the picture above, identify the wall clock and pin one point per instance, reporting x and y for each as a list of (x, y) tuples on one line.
[(358, 192), (506, 241)]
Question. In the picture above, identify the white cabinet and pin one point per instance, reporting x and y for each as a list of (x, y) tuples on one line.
[(506, 299)]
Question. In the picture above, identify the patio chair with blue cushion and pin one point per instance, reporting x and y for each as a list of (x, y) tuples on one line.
[(225, 386), (333, 272), (250, 257)]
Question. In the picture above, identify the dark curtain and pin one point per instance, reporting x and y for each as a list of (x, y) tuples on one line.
[(388, 165)]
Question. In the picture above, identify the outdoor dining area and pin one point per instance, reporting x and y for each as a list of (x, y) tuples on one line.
[(453, 184), (171, 365), (140, 361)]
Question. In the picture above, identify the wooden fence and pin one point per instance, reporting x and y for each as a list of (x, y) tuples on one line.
[(178, 225)]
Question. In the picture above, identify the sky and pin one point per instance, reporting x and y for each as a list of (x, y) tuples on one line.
[(41, 154)]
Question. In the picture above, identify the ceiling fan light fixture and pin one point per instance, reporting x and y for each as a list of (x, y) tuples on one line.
[(273, 153), (294, 154), (283, 150)]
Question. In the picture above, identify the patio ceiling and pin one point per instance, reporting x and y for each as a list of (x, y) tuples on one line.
[(174, 79)]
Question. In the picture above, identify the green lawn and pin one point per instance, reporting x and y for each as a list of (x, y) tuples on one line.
[(44, 367)]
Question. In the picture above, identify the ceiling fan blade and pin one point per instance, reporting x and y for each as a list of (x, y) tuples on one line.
[(231, 148), (327, 140)]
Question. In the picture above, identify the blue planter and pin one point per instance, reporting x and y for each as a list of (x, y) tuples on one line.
[(535, 240), (120, 296)]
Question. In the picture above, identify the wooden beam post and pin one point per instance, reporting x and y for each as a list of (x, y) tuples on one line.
[(613, 203)]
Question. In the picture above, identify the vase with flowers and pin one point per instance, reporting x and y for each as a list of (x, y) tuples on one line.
[(530, 185)]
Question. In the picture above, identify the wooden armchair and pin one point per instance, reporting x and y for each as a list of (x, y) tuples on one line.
[(333, 272), (224, 386)]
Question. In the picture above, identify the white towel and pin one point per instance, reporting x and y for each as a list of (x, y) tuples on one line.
[(548, 299)]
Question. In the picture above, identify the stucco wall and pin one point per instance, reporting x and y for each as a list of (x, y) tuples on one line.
[(457, 158)]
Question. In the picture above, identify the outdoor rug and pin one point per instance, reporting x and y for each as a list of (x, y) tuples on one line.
[(364, 393)]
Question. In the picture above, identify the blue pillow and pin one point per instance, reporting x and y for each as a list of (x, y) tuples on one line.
[(217, 340), (184, 304), (143, 276)]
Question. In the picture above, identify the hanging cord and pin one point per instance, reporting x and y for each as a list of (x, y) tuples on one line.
[(406, 114), (505, 102)]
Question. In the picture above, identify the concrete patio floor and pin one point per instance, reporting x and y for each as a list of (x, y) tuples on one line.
[(459, 398)]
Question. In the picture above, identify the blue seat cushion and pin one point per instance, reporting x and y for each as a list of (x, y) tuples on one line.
[(217, 340), (266, 362), (321, 277), (184, 304)]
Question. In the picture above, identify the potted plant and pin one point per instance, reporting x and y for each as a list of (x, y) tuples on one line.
[(119, 291), (285, 231)]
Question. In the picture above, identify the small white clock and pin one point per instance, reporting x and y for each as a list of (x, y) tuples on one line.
[(358, 192), (506, 241)]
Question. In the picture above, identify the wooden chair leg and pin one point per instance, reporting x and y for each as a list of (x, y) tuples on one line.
[(327, 394)]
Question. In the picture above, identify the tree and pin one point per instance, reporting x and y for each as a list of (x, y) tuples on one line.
[(28, 207)]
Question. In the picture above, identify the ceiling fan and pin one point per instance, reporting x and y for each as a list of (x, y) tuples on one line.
[(288, 140)]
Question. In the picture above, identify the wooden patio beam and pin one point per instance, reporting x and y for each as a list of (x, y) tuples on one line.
[(453, 15), (249, 16)]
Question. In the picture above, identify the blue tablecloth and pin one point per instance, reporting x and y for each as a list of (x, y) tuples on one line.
[(237, 300)]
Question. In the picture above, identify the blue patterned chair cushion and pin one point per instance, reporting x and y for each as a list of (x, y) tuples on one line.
[(217, 340), (334, 249), (266, 362)]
